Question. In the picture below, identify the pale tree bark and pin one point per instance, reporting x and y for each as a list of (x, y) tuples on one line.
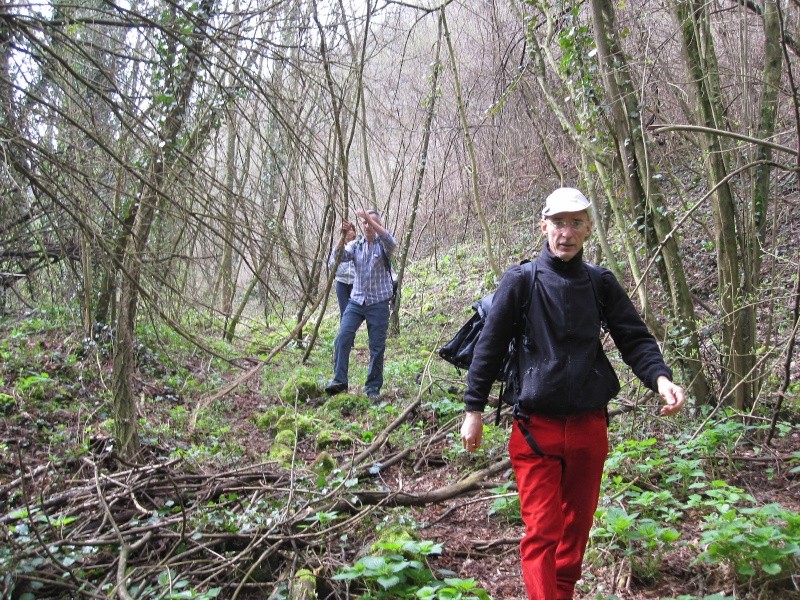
[(701, 61), (230, 200), (754, 232), (228, 218), (163, 156), (474, 175), (430, 102), (643, 191)]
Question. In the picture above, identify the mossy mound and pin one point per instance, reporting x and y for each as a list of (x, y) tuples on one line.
[(349, 404), (299, 388), (324, 463), (281, 453), (327, 438), (286, 437), (302, 424), (269, 418)]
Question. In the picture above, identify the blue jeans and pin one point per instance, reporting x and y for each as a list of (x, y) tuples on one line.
[(377, 318), (343, 291)]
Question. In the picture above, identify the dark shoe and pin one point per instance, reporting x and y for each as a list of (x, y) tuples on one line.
[(335, 388), (373, 395)]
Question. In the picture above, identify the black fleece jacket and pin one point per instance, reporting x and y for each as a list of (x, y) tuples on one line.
[(561, 368)]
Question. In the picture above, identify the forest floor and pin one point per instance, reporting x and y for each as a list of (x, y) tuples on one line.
[(55, 405), (486, 549), (475, 545)]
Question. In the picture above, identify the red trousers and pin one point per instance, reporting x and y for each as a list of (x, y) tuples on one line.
[(558, 494)]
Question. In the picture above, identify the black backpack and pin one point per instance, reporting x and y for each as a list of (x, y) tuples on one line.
[(390, 268), (458, 351)]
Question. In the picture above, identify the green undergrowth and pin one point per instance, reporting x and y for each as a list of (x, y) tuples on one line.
[(685, 489)]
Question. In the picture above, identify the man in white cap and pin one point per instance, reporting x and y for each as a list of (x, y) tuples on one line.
[(560, 385)]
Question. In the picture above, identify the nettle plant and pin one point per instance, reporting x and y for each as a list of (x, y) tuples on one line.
[(641, 541), (506, 503), (757, 541), (398, 570), (643, 494)]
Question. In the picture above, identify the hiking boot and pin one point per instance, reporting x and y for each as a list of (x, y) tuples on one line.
[(335, 388)]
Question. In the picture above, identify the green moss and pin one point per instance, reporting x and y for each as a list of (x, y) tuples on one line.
[(349, 403), (269, 418), (7, 404), (326, 438), (281, 453), (299, 388), (286, 422), (295, 424), (285, 437), (324, 463), (305, 584), (306, 424)]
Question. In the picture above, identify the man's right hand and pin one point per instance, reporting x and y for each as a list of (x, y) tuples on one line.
[(348, 229), (472, 431)]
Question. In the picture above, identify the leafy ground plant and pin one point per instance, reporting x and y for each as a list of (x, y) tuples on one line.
[(763, 539), (643, 542), (398, 571)]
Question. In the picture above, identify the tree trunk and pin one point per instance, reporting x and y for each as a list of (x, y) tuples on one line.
[(227, 282), (753, 236), (417, 193), (699, 54), (488, 242), (125, 411), (643, 192), (162, 158)]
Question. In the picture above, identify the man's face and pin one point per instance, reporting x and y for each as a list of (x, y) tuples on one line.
[(566, 233), (368, 230)]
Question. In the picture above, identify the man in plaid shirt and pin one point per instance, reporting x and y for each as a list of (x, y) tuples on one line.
[(369, 301)]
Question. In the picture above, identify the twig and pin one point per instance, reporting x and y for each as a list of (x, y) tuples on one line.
[(489, 544), (15, 482), (455, 507), (38, 535)]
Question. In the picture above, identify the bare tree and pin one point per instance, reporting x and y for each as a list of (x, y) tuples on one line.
[(643, 192)]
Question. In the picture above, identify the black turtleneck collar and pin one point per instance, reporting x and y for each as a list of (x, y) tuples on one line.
[(572, 265)]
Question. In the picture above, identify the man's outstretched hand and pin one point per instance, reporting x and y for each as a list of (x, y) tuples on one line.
[(673, 395)]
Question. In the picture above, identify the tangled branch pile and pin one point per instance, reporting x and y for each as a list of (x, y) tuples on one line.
[(105, 528)]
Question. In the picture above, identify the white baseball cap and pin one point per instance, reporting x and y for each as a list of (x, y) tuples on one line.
[(563, 200)]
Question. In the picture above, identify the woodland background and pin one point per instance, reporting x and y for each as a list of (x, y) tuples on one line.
[(173, 178)]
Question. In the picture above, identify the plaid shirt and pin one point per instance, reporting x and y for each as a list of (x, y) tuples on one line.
[(345, 272), (373, 281)]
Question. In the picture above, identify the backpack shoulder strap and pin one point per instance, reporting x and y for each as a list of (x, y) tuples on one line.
[(528, 283), (596, 280), (386, 261)]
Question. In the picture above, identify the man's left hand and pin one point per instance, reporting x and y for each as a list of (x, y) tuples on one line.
[(673, 395)]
